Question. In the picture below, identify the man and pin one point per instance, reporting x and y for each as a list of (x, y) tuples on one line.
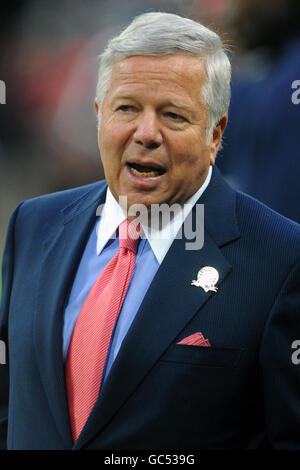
[(197, 353)]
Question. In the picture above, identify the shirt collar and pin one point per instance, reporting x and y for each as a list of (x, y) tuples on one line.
[(112, 215)]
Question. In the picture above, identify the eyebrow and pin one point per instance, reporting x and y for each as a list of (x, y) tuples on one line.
[(169, 102), (179, 104)]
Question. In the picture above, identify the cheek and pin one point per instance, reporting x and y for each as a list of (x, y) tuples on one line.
[(189, 168), (113, 139), (105, 137), (186, 158), (188, 148)]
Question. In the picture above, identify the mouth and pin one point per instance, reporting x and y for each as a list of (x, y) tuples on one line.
[(146, 171), (146, 176)]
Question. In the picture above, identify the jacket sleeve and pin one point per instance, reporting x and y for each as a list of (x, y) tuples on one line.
[(7, 280), (280, 366)]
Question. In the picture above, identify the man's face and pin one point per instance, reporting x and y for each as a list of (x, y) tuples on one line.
[(152, 136)]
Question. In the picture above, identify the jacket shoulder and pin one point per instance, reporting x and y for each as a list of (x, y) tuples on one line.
[(52, 204), (264, 226)]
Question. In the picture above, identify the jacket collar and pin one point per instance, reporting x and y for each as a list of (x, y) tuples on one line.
[(220, 210)]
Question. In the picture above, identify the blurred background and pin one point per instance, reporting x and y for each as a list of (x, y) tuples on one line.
[(49, 60)]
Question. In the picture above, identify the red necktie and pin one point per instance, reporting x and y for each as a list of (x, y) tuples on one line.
[(93, 329)]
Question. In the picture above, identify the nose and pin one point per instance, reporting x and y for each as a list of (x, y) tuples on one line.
[(148, 132)]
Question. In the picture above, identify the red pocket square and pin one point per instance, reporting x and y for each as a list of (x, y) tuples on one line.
[(196, 339)]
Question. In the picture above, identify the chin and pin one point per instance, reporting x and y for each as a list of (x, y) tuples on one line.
[(138, 197), (144, 201)]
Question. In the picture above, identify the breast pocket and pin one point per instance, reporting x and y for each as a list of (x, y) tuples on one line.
[(202, 356)]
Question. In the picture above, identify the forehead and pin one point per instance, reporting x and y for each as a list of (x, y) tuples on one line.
[(175, 73)]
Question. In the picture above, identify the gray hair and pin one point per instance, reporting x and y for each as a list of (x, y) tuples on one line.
[(158, 34)]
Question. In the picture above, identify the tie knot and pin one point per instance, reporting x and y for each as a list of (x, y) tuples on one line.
[(129, 234)]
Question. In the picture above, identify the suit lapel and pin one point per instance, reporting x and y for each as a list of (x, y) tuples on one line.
[(170, 303), (62, 253)]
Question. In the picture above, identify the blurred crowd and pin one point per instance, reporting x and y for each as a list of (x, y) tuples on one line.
[(49, 61)]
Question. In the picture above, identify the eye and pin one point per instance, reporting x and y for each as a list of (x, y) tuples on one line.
[(175, 117), (125, 108)]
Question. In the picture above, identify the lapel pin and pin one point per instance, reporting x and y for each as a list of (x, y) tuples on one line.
[(207, 277)]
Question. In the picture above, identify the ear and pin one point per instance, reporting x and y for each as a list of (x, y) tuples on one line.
[(217, 137), (96, 106)]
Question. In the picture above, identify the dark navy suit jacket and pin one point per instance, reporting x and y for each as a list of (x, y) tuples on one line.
[(243, 392)]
